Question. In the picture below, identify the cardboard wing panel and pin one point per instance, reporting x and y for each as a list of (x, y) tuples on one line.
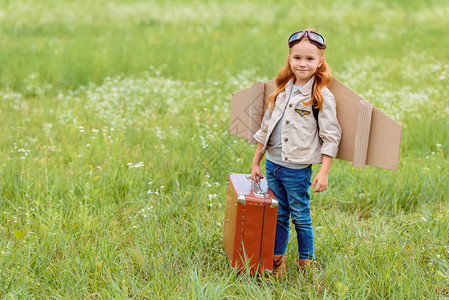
[(384, 133), (347, 114), (269, 88), (240, 113), (256, 110), (362, 134), (247, 109), (384, 141)]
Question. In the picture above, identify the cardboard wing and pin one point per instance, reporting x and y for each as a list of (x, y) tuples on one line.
[(369, 137)]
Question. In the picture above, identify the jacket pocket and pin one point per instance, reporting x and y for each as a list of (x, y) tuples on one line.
[(304, 116), (302, 140)]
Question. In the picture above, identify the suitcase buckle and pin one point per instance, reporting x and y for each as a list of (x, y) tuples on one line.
[(260, 194)]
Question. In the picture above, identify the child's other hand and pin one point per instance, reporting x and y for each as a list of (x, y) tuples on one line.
[(256, 174), (320, 182)]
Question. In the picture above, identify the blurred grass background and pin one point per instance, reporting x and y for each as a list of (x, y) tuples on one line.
[(114, 147), (76, 42)]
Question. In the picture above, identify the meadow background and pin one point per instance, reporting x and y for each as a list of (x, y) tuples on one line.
[(114, 147)]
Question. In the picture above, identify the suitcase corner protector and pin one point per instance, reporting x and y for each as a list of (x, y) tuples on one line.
[(274, 203), (241, 199)]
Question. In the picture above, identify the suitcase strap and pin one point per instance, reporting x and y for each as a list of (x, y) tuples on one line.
[(260, 193)]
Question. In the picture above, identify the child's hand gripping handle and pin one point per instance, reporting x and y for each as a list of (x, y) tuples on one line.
[(258, 189), (256, 174)]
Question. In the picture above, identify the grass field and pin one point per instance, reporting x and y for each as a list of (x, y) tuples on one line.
[(114, 148)]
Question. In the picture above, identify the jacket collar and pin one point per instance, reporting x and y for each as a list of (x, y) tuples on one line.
[(305, 90)]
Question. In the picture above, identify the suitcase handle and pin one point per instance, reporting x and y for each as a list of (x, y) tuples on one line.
[(259, 192), (256, 185)]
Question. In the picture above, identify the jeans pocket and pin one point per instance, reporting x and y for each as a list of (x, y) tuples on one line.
[(308, 176), (270, 167)]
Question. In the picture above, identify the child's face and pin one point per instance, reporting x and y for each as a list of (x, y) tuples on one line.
[(304, 60)]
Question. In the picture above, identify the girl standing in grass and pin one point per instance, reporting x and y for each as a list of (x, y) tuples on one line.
[(294, 140)]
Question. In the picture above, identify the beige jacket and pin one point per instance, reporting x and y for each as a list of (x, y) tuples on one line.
[(301, 141)]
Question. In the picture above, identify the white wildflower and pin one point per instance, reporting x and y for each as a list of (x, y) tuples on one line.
[(137, 165)]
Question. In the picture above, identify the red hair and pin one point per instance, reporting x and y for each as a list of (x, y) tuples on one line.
[(323, 76)]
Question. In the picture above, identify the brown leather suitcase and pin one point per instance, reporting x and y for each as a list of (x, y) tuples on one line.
[(250, 224)]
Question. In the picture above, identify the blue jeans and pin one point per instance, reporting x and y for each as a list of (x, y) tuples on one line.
[(291, 188)]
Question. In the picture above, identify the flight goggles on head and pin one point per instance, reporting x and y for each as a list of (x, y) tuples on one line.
[(314, 37)]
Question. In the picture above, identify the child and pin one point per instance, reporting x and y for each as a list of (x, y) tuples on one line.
[(294, 140)]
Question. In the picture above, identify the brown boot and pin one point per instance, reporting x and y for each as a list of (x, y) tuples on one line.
[(305, 263), (279, 270)]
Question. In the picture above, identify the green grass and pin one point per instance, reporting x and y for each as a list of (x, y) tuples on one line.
[(114, 148)]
